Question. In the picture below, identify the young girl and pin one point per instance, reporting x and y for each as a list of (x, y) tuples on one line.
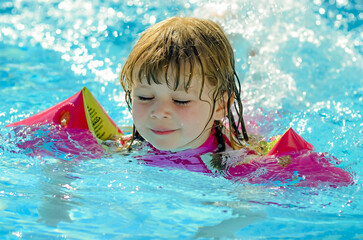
[(182, 88), (184, 94)]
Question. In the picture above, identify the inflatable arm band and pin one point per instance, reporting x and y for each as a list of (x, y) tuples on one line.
[(80, 111)]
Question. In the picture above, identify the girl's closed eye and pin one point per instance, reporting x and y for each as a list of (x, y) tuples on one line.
[(182, 102), (145, 99)]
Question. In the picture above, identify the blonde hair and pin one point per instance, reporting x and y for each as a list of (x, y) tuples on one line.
[(196, 44)]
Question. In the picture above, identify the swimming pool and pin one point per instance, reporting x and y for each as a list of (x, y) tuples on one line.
[(306, 74)]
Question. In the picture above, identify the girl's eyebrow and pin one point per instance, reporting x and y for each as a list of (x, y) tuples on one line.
[(146, 86), (191, 89)]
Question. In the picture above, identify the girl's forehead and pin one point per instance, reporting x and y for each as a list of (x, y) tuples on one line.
[(170, 69), (177, 77), (195, 84)]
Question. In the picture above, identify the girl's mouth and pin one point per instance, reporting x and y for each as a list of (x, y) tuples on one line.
[(162, 132)]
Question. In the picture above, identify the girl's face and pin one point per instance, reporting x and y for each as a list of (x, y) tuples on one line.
[(173, 120)]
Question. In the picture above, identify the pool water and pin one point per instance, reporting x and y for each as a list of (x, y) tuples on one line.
[(306, 74)]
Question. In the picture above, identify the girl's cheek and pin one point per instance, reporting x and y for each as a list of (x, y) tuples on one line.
[(138, 110), (193, 114)]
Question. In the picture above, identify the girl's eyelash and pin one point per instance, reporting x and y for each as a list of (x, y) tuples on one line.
[(141, 98), (179, 102)]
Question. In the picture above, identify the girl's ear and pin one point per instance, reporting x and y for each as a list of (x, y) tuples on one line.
[(221, 106)]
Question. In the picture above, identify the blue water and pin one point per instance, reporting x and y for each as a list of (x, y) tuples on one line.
[(306, 74)]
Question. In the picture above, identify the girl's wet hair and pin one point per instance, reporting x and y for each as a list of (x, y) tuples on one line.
[(189, 47)]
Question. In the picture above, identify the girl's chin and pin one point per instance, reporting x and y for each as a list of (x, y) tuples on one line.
[(165, 147)]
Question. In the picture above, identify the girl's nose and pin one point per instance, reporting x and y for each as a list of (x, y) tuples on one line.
[(160, 110)]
